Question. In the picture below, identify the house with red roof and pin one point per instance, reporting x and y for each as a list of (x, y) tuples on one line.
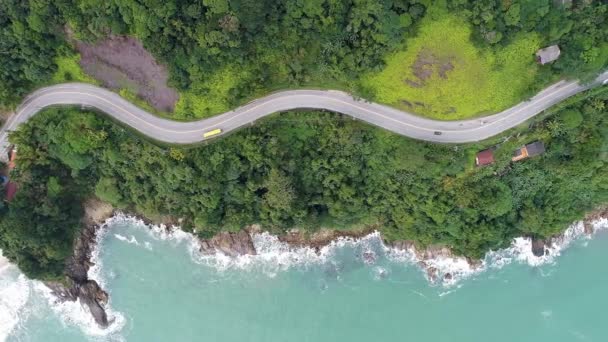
[(484, 157)]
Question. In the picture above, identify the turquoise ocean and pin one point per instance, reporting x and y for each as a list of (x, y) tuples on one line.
[(161, 289)]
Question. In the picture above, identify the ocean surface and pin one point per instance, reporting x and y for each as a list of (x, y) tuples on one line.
[(161, 289)]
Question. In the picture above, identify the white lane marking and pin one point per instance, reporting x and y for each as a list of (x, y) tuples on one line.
[(267, 101)]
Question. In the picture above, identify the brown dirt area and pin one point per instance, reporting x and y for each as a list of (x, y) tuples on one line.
[(96, 211), (426, 65), (121, 62)]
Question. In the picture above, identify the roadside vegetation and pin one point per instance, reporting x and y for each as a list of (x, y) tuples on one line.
[(69, 70), (305, 170), (219, 54)]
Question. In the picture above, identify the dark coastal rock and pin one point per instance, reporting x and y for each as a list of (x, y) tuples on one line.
[(538, 247), (588, 228), (323, 237), (77, 285), (432, 273), (77, 266), (88, 292), (475, 263), (598, 214), (403, 245), (434, 251), (229, 243), (62, 291), (91, 295)]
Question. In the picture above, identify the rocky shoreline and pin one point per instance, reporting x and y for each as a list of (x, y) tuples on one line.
[(541, 247), (77, 285)]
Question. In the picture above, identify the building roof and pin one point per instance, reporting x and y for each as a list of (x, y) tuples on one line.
[(535, 148), (548, 54), (518, 152), (484, 157)]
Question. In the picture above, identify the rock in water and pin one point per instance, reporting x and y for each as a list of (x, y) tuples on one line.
[(538, 247), (77, 285), (369, 257), (94, 297), (88, 292), (229, 243)]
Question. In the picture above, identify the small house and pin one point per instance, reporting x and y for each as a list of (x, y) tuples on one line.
[(530, 150), (484, 157), (548, 54)]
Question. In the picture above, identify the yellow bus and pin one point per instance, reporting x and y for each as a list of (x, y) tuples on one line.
[(212, 133)]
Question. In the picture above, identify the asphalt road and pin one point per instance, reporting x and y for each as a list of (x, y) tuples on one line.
[(394, 120)]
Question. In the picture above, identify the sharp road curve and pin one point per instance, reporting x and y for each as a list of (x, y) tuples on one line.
[(394, 120)]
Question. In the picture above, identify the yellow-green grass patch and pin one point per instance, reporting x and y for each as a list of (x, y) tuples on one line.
[(69, 70), (441, 74)]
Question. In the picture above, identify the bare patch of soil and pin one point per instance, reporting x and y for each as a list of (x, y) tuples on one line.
[(122, 62), (426, 65)]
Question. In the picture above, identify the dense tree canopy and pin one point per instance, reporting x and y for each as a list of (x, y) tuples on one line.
[(296, 169), (580, 28), (235, 49), (307, 170)]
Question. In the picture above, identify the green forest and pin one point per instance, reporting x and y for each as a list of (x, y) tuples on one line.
[(222, 52), (307, 170)]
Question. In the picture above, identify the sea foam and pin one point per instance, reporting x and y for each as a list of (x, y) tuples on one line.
[(274, 256), (14, 294)]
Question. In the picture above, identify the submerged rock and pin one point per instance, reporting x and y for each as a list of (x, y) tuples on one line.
[(369, 257), (229, 243)]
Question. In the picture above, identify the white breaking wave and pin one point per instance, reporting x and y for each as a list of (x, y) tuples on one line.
[(274, 256), (520, 251), (132, 240), (4, 264), (77, 314), (14, 295)]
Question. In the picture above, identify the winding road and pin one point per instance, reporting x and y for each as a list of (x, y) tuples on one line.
[(392, 119)]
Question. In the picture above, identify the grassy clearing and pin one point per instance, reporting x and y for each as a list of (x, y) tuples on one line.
[(439, 74), (69, 70), (442, 75), (211, 96)]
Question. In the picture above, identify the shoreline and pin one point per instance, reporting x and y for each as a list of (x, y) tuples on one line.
[(439, 265)]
